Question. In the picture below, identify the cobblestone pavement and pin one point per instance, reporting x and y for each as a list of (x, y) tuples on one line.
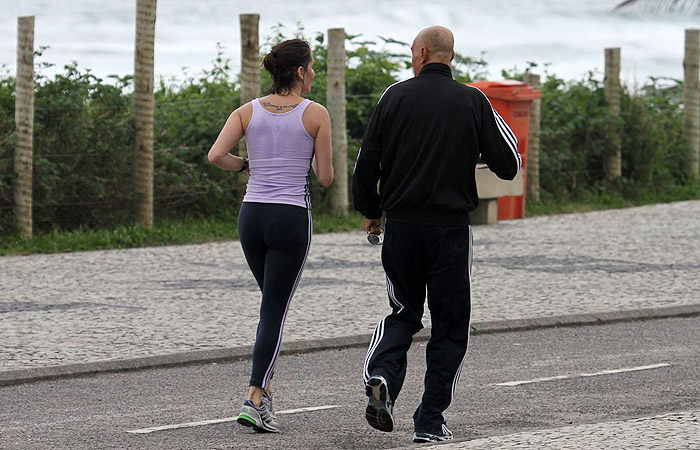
[(104, 305), (667, 432)]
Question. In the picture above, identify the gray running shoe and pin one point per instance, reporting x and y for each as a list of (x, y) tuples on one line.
[(380, 409), (428, 437), (267, 401), (260, 418)]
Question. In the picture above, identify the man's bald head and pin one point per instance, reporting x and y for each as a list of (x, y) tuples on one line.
[(432, 45)]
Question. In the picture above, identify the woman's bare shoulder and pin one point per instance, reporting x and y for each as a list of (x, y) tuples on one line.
[(245, 108), (315, 106), (317, 110), (243, 112)]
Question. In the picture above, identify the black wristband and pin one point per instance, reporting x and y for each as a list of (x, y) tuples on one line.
[(245, 165)]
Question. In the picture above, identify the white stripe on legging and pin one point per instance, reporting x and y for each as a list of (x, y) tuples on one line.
[(376, 338), (392, 295), (271, 367), (469, 327)]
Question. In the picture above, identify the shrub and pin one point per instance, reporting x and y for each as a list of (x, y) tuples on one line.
[(84, 137)]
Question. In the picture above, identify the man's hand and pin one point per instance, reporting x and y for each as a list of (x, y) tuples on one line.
[(373, 226)]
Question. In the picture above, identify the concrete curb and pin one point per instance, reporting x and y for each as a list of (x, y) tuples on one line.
[(21, 376)]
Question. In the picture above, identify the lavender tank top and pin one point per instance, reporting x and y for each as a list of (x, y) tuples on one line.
[(280, 151)]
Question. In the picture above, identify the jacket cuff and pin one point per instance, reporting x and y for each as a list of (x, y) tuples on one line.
[(373, 214)]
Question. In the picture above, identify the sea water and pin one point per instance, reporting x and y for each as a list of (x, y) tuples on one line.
[(563, 37)]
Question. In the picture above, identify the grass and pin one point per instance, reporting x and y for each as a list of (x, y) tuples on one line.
[(602, 201), (164, 232), (199, 230)]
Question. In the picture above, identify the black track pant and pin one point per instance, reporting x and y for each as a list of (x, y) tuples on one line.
[(417, 258), (275, 240)]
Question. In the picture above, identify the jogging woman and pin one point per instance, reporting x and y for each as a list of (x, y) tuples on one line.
[(287, 136)]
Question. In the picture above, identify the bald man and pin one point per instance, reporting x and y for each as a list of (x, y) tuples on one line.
[(422, 145)]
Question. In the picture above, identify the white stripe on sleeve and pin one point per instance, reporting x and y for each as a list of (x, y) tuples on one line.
[(506, 132)]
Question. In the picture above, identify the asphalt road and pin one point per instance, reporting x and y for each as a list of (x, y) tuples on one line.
[(559, 370)]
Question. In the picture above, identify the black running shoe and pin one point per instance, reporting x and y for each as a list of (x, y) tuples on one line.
[(428, 437), (380, 409)]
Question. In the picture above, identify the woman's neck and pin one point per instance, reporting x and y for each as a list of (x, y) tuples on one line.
[(295, 92)]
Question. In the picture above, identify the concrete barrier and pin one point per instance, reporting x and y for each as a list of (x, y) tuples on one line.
[(490, 187)]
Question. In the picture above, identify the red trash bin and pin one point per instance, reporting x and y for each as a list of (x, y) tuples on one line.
[(512, 100)]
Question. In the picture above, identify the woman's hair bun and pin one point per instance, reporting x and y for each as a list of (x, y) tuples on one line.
[(270, 62), (282, 62)]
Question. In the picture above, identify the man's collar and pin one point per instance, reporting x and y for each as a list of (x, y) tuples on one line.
[(440, 68)]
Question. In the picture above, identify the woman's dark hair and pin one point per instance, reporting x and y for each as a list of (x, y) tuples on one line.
[(283, 61)]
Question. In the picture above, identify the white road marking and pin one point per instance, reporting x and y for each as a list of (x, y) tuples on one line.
[(226, 419), (535, 380), (565, 377), (631, 369), (181, 425), (310, 408)]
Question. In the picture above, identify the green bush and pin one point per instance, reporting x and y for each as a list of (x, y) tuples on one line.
[(7, 126), (576, 128), (84, 138), (188, 118), (653, 147), (574, 131), (82, 148)]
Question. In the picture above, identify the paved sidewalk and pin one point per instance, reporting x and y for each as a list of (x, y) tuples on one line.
[(667, 432), (122, 304)]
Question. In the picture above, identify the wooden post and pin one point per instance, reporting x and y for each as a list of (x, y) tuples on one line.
[(691, 101), (250, 81), (250, 57), (144, 103), (533, 142), (24, 120), (612, 160), (335, 93)]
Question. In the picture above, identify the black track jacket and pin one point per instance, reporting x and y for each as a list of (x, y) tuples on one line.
[(422, 145)]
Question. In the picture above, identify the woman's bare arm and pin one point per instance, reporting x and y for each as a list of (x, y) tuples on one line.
[(232, 132), (322, 163)]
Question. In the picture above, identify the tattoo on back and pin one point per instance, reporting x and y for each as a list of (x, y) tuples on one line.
[(279, 107)]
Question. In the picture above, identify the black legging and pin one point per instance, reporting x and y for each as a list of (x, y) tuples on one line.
[(275, 240)]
